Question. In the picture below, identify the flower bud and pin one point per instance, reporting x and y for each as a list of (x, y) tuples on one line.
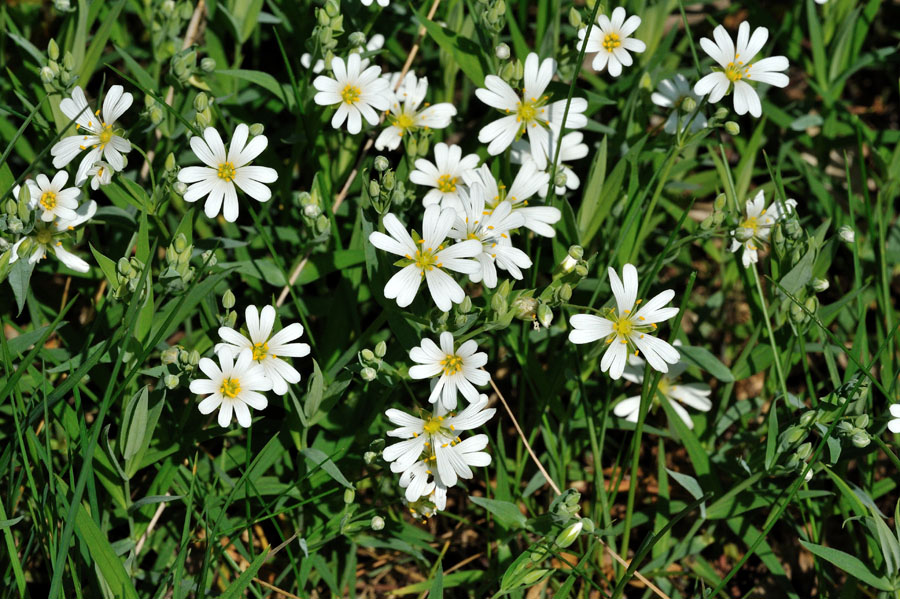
[(465, 306), (389, 180), (169, 164), (689, 104), (201, 102), (565, 292), (847, 234), (167, 8), (569, 534), (380, 349), (180, 243), (719, 202), (47, 75), (861, 421), (499, 303), (257, 129), (208, 65), (11, 207), (170, 355), (588, 525), (374, 188), (501, 51), (203, 119), (53, 50), (349, 495), (545, 315), (179, 187), (804, 451), (820, 285), (156, 115), (368, 374), (332, 8), (811, 304), (807, 418), (560, 179), (732, 128), (123, 266), (645, 82), (708, 223), (575, 18), (369, 457), (311, 211), (381, 163), (170, 381), (860, 439), (322, 223), (228, 300), (534, 576), (194, 357), (367, 355), (62, 5), (721, 113), (323, 19), (377, 523), (526, 308), (357, 39)]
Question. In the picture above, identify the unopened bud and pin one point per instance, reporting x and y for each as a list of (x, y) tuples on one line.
[(311, 211), (201, 102), (123, 266), (804, 451), (381, 164), (565, 292), (501, 51), (861, 421), (208, 65), (170, 162), (68, 61), (526, 308), (534, 576), (498, 303), (367, 355), (357, 39), (369, 457), (368, 374), (820, 285), (170, 355), (156, 115), (721, 113), (465, 306), (708, 223), (194, 357), (349, 495), (47, 75), (689, 104), (645, 82), (179, 187), (257, 129), (170, 381), (807, 418), (389, 180), (732, 128), (560, 179), (332, 8), (847, 234), (53, 50), (719, 202), (545, 315), (228, 300), (168, 7), (374, 188), (569, 534), (860, 439), (377, 523), (575, 18), (380, 349)]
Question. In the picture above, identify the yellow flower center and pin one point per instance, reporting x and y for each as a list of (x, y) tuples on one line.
[(433, 425), (350, 94), (446, 183), (611, 42), (226, 171), (260, 350), (230, 388), (404, 122), (425, 260), (751, 223), (525, 112), (623, 326), (664, 385), (106, 134), (452, 364), (48, 200), (737, 71)]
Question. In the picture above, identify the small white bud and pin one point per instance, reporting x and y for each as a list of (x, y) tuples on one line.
[(820, 285), (501, 51), (847, 234), (377, 523)]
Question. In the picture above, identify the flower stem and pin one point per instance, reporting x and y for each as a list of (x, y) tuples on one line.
[(775, 354)]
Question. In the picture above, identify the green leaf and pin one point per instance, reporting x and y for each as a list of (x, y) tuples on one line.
[(315, 393), (437, 586), (142, 76), (703, 359), (699, 457), (98, 43), (264, 80), (319, 458), (8, 523), (772, 435), (134, 425), (19, 277), (507, 513), (108, 266), (690, 484), (236, 589), (465, 51), (849, 564)]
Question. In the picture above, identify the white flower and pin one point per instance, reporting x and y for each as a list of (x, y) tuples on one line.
[(671, 93), (52, 199), (405, 117), (233, 387), (737, 66), (267, 349), (459, 369), (894, 423), (100, 173), (381, 3), (491, 228), (529, 181), (626, 329), (847, 234), (610, 40), (571, 148), (217, 180), (99, 135), (435, 440), (48, 238), (695, 395), (358, 93), (449, 170), (529, 113), (428, 259), (375, 43), (755, 229)]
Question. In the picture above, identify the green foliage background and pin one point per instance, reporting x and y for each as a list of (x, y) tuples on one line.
[(114, 486)]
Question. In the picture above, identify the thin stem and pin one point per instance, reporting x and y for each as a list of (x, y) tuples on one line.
[(776, 356)]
